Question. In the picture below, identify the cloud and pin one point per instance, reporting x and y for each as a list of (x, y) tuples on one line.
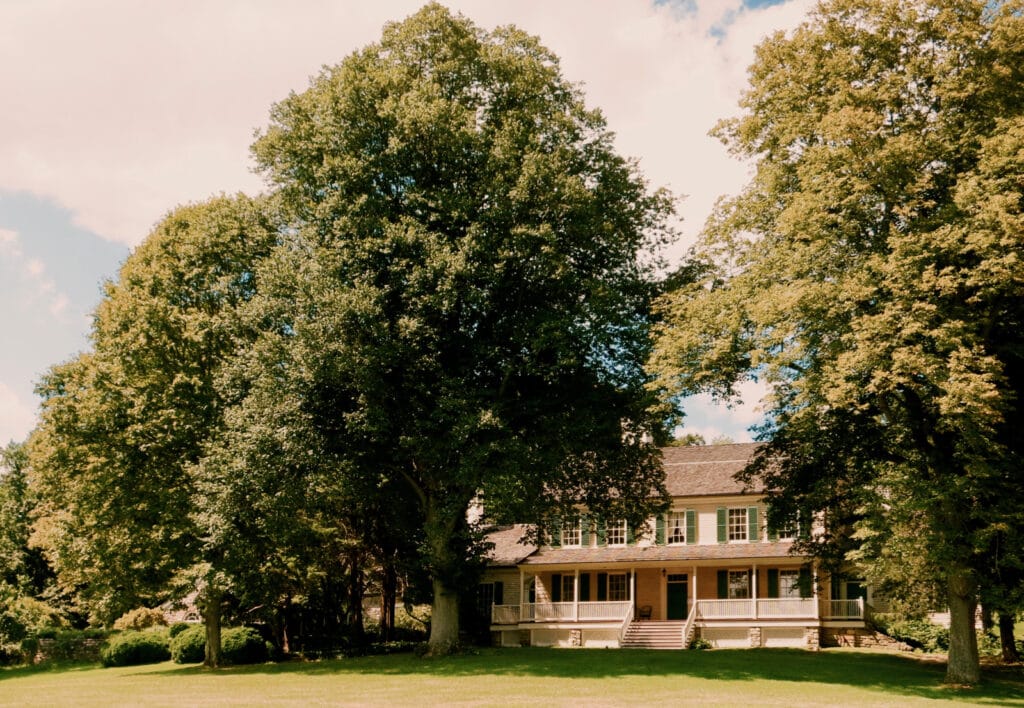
[(119, 110), (31, 275), (17, 418)]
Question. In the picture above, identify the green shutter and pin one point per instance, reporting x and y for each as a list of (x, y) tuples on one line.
[(773, 533), (584, 587), (584, 530), (602, 532), (630, 534), (773, 582), (753, 529), (836, 586), (602, 587), (803, 524), (659, 530), (556, 587), (805, 582), (723, 584), (691, 526), (499, 593), (556, 533), (723, 520)]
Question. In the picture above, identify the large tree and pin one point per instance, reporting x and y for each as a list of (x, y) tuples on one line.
[(872, 273), (477, 300), (122, 424)]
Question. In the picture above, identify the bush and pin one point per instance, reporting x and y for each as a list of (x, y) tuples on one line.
[(132, 648), (11, 654), (918, 633), (700, 643), (189, 645), (141, 618), (177, 628), (242, 645)]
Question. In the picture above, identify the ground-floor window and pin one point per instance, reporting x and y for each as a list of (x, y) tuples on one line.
[(618, 588), (789, 583), (739, 584), (568, 588)]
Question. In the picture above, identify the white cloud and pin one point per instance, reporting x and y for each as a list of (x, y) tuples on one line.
[(31, 276), (17, 418), (120, 110)]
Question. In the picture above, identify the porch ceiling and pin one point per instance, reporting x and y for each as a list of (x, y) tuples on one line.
[(662, 554)]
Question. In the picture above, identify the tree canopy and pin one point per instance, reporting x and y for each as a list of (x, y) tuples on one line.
[(871, 273), (477, 299)]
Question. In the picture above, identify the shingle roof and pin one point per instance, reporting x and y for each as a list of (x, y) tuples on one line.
[(508, 551), (640, 554), (706, 469)]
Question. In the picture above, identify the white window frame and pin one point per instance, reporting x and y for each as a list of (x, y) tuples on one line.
[(789, 583), (676, 522), (738, 580), (614, 594), (572, 533), (737, 524), (616, 533)]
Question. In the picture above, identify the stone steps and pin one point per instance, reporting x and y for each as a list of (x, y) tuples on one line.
[(654, 635)]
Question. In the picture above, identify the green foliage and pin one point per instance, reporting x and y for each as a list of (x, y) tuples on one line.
[(872, 274), (473, 310), (243, 645), (134, 647), (918, 633), (700, 643), (188, 646), (177, 628), (141, 618)]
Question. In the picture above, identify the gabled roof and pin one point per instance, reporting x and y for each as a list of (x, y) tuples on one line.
[(703, 470), (508, 551)]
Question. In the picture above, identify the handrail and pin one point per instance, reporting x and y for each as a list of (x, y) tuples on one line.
[(625, 624), (691, 619)]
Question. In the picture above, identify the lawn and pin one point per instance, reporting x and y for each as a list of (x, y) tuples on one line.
[(526, 677)]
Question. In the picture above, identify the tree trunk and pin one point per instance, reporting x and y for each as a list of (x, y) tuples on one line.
[(356, 586), (963, 666), (1006, 638), (444, 620), (211, 618), (388, 598)]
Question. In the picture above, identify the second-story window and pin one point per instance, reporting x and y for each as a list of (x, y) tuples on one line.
[(617, 533), (571, 533), (737, 524), (676, 531)]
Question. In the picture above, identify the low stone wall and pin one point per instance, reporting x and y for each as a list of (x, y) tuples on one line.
[(77, 650), (860, 637)]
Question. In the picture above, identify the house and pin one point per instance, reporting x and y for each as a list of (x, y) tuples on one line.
[(708, 568)]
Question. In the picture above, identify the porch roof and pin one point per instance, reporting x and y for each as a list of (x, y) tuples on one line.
[(641, 554)]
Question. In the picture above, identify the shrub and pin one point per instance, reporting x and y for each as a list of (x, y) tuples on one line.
[(189, 645), (242, 645), (132, 648), (140, 618), (918, 633), (177, 628), (700, 643)]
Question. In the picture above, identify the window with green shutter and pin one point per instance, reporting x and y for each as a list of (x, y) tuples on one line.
[(659, 530), (602, 532), (691, 526), (753, 530), (723, 524), (584, 530)]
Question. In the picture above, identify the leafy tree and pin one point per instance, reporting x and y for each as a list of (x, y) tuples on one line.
[(687, 440), (872, 274), (122, 424), (473, 290)]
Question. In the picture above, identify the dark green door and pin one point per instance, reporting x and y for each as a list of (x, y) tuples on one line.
[(676, 597)]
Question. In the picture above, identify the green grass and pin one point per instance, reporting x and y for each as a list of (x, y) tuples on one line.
[(527, 677)]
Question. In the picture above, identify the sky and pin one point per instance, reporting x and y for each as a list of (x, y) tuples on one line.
[(116, 111)]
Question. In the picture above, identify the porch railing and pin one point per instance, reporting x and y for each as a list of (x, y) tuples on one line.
[(504, 614), (560, 611), (763, 608), (843, 609)]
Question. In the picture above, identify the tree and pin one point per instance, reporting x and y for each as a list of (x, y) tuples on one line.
[(476, 297), (121, 425), (871, 273)]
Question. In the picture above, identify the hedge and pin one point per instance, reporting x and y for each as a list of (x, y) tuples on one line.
[(132, 648)]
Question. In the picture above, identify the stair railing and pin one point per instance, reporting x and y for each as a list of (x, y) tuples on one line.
[(691, 620), (625, 624)]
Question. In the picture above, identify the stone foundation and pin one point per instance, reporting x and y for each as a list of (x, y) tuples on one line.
[(812, 638), (755, 636)]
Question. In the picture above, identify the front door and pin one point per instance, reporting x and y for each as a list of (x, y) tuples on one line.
[(676, 586)]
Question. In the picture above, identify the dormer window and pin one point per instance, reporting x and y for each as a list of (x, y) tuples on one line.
[(571, 533), (676, 531), (616, 534), (738, 524)]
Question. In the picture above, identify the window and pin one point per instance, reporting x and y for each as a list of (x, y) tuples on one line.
[(790, 528), (789, 583), (618, 590), (571, 534), (737, 525), (739, 584), (676, 527), (568, 588), (617, 533), (484, 599)]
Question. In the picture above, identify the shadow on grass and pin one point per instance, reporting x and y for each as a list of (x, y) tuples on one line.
[(891, 674)]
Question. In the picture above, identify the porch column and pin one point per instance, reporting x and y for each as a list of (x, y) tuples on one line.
[(694, 586), (522, 595), (814, 592), (576, 595), (753, 589), (632, 586)]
